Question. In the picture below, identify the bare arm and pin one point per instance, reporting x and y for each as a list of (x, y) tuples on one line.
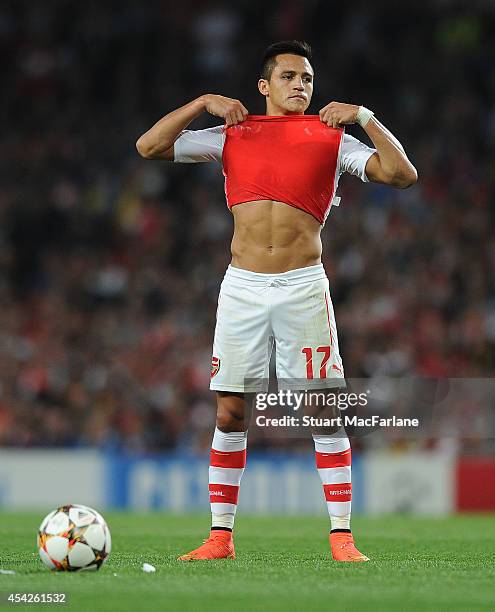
[(389, 165), (158, 141)]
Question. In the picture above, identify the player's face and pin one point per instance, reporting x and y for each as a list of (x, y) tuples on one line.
[(290, 87)]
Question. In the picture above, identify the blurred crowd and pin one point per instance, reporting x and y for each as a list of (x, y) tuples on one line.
[(110, 265)]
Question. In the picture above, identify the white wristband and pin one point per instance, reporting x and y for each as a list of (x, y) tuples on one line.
[(364, 115)]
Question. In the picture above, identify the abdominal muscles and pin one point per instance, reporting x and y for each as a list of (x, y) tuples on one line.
[(273, 237)]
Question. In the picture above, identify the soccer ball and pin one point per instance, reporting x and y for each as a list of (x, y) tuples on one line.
[(74, 537)]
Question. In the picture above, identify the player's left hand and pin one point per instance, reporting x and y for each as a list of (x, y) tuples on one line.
[(336, 114)]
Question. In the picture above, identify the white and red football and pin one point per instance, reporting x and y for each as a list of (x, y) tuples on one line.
[(73, 538)]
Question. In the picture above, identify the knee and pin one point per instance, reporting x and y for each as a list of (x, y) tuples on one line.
[(229, 421), (231, 413), (324, 407), (224, 423)]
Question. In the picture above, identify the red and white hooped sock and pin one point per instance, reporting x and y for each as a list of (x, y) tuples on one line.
[(227, 463), (333, 460)]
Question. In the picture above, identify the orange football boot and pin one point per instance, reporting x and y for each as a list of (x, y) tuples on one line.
[(220, 545), (343, 548)]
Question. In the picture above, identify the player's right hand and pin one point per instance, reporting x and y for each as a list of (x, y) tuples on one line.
[(233, 111)]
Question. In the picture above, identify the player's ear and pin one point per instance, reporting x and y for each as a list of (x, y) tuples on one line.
[(263, 87)]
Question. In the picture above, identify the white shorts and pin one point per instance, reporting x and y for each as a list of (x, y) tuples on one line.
[(291, 310)]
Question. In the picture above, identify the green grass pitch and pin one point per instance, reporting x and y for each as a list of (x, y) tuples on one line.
[(282, 563)]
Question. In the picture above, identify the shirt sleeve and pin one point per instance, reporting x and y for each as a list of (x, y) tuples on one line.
[(200, 145), (354, 156)]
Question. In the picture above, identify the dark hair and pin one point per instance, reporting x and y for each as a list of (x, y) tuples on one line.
[(295, 47)]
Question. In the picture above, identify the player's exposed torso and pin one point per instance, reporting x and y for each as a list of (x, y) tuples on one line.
[(271, 237)]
